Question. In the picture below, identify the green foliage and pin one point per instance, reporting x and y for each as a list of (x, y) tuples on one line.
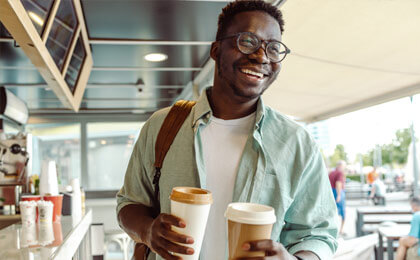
[(401, 145), (354, 177), (367, 158), (394, 153), (339, 154)]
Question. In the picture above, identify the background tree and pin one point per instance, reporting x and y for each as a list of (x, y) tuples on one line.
[(401, 146), (367, 158), (394, 153), (339, 154)]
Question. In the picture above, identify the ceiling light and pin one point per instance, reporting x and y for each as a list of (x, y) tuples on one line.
[(156, 57), (36, 18), (138, 111)]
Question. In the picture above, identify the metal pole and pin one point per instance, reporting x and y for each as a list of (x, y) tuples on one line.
[(84, 178), (362, 176), (415, 163)]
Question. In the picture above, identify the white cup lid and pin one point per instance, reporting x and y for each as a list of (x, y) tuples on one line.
[(250, 213), (27, 203)]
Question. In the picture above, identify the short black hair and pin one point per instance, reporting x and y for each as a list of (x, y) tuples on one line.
[(239, 6), (415, 200)]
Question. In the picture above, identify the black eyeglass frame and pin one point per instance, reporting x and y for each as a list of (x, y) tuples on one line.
[(259, 45)]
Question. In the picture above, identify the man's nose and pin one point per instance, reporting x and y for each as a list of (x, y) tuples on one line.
[(260, 55)]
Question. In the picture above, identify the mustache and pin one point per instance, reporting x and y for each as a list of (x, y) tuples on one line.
[(265, 68)]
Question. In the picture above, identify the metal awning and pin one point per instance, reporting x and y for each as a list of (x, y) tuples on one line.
[(346, 55)]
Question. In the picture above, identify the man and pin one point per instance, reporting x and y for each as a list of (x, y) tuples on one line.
[(337, 181), (411, 241), (371, 176), (240, 150), (377, 193)]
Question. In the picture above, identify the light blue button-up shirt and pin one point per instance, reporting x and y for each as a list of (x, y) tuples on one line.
[(281, 166), (415, 228)]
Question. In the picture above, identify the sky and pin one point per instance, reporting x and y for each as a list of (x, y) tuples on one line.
[(361, 130)]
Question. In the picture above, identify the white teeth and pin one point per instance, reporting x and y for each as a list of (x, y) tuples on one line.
[(257, 74)]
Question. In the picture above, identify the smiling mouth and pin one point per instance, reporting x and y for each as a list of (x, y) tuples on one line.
[(258, 75)]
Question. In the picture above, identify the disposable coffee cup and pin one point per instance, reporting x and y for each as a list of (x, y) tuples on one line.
[(193, 206), (57, 200), (248, 222), (27, 211), (33, 198), (45, 209)]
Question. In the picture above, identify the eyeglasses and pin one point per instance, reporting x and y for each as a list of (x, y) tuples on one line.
[(249, 43)]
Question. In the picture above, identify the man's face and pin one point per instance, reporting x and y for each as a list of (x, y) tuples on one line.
[(234, 68), (413, 207), (341, 167)]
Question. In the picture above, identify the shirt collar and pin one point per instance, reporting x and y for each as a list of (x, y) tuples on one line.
[(259, 115), (202, 107), (203, 110)]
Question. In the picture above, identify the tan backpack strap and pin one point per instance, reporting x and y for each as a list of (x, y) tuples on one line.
[(169, 129)]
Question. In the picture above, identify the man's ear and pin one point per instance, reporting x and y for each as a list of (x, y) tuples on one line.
[(214, 50)]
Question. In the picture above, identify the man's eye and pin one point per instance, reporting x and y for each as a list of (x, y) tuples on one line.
[(247, 42), (273, 49)]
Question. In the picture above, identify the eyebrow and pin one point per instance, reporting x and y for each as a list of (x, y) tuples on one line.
[(271, 39)]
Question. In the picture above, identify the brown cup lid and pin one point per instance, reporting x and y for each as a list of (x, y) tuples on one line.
[(191, 195)]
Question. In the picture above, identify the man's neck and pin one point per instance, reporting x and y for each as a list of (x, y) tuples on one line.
[(225, 108)]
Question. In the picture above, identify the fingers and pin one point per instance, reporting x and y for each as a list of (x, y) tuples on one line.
[(165, 247), (258, 258), (172, 220), (170, 235), (166, 255), (252, 258), (175, 248), (166, 232), (261, 245), (164, 239), (268, 246)]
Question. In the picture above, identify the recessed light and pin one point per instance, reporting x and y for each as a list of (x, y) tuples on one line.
[(156, 57), (36, 18)]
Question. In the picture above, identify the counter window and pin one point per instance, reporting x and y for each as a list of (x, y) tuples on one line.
[(109, 150), (59, 142)]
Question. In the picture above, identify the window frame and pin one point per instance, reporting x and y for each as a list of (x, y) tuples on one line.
[(83, 120)]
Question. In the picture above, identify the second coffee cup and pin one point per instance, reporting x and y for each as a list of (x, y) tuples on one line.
[(193, 206), (248, 222)]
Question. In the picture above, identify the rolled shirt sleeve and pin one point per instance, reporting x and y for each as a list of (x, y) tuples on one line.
[(415, 225), (311, 221)]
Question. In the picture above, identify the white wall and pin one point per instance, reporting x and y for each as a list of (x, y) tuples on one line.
[(104, 211)]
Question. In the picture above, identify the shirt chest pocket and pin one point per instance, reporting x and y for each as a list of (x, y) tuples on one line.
[(275, 190), (270, 190)]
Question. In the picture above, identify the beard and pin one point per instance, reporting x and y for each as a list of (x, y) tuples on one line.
[(242, 93)]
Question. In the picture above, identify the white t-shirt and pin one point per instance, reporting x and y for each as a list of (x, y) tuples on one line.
[(380, 188), (223, 144)]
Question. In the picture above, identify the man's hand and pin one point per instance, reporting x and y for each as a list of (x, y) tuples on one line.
[(272, 249), (161, 239)]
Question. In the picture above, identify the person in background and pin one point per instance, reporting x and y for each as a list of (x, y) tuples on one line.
[(378, 190), (410, 242), (371, 176), (337, 181)]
